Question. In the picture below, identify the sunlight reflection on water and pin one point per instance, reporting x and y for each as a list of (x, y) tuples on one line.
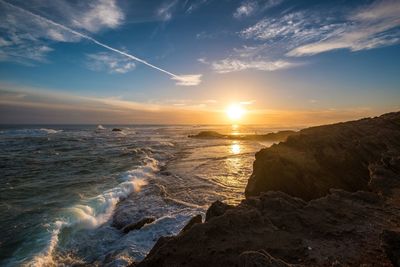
[(235, 148)]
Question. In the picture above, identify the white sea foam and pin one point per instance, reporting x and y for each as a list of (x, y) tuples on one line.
[(96, 211), (100, 127), (30, 132)]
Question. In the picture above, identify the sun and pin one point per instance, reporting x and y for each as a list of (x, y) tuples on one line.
[(235, 112)]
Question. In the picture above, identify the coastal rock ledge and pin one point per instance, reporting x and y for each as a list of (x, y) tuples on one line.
[(328, 196)]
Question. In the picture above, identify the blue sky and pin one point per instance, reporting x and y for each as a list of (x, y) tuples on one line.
[(286, 62)]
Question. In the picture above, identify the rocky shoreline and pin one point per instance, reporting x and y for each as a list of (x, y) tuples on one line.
[(328, 196)]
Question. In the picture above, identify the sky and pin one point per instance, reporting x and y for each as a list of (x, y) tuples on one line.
[(286, 62)]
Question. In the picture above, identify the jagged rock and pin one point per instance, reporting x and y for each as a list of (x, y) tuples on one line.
[(217, 209), (195, 220), (319, 158), (137, 225), (339, 199)]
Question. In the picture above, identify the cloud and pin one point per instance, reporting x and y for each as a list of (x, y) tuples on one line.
[(109, 62), (245, 10), (233, 65), (165, 12), (184, 80), (309, 32), (26, 37), (251, 7), (187, 80), (101, 14), (370, 27)]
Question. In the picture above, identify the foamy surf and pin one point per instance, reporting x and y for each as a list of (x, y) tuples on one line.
[(95, 211)]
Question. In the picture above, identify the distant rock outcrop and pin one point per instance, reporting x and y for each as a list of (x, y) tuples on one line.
[(278, 136), (329, 196)]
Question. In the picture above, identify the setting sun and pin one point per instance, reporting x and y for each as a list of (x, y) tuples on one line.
[(235, 112)]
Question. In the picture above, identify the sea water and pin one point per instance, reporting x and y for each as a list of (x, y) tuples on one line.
[(62, 186)]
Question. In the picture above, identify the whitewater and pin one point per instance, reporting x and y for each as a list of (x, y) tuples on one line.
[(66, 191)]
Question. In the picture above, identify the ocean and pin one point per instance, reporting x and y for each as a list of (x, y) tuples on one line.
[(63, 188)]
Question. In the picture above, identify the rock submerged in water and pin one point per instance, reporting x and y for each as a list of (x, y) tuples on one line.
[(308, 223), (137, 225)]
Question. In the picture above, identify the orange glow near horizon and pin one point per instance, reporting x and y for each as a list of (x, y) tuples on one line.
[(235, 112)]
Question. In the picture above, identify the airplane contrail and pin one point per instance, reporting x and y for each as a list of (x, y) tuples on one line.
[(182, 79)]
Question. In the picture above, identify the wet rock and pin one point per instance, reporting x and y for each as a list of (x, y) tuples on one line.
[(116, 130), (217, 209), (195, 220), (137, 225)]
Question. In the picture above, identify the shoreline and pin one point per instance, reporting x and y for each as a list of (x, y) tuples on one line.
[(328, 196)]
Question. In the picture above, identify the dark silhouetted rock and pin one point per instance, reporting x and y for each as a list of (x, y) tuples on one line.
[(260, 259), (317, 159), (116, 130), (217, 209), (328, 196), (195, 220), (391, 245), (278, 136), (137, 225)]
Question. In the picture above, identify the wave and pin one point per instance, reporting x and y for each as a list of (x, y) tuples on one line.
[(30, 132), (95, 211)]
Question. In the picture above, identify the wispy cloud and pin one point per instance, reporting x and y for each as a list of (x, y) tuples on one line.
[(166, 10), (233, 65), (251, 7), (313, 31), (25, 37), (109, 62), (370, 27), (245, 9), (185, 80), (276, 39)]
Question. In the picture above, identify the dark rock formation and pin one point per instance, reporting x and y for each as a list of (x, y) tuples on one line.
[(137, 225), (310, 223), (216, 209), (116, 130), (391, 245), (278, 136), (195, 220), (317, 159)]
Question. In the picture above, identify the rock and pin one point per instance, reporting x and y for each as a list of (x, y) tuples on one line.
[(391, 246), (316, 159), (260, 259), (195, 220), (137, 225), (217, 209), (278, 136), (334, 189), (116, 130), (208, 134)]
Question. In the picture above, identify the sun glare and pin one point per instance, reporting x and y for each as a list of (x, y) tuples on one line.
[(235, 112)]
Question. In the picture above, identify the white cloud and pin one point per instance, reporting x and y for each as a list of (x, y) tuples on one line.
[(110, 62), (370, 27), (233, 65), (245, 10), (100, 14), (187, 80)]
